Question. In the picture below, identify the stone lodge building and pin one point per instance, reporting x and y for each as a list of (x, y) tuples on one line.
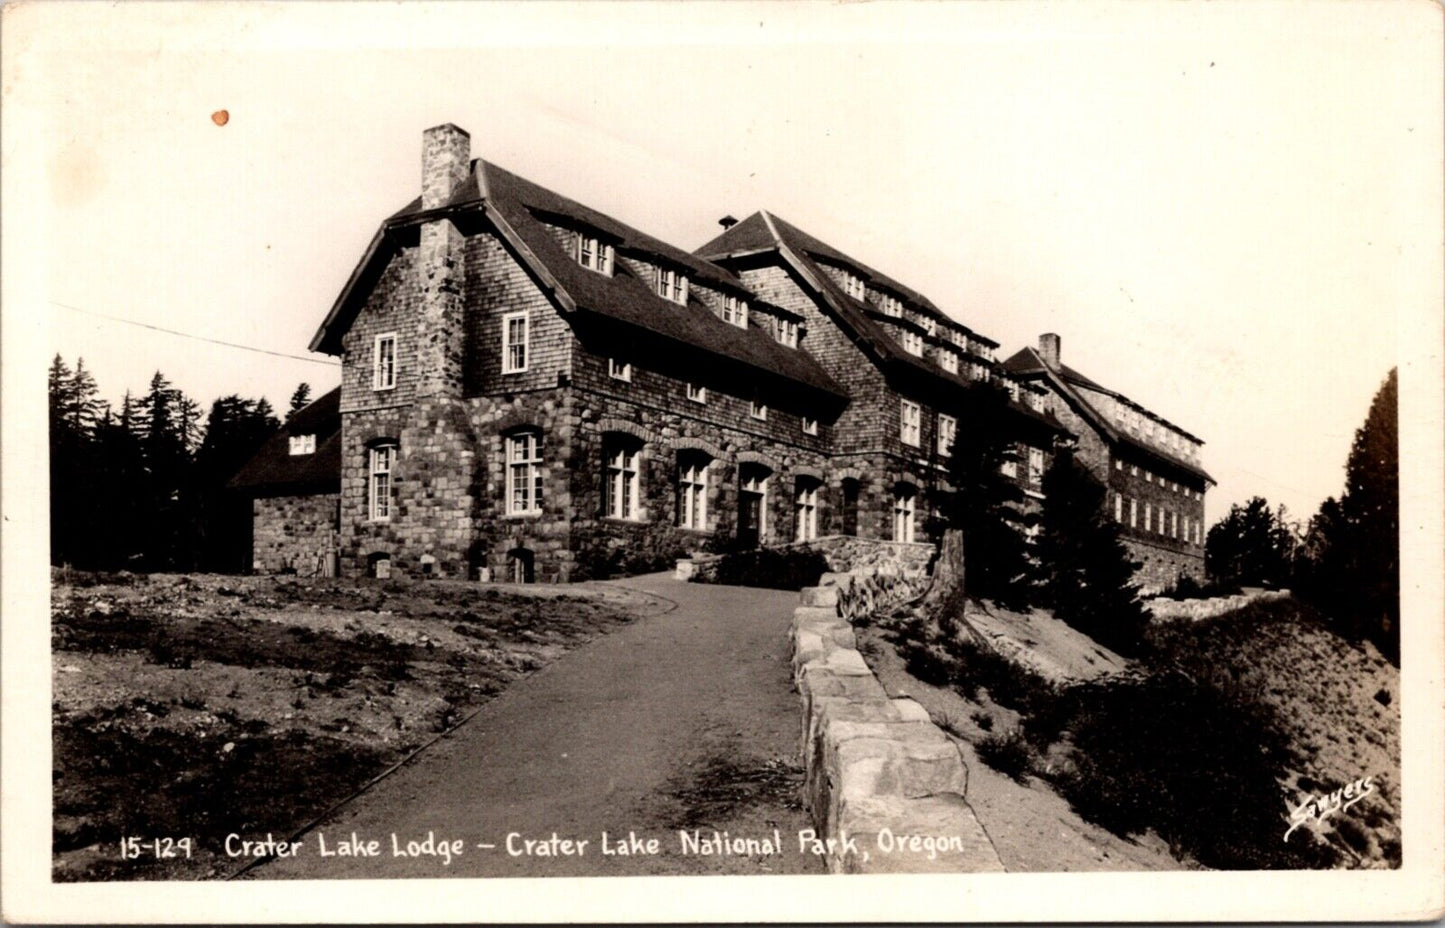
[(533, 388)]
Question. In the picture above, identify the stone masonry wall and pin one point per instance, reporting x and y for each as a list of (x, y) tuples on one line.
[(293, 532)]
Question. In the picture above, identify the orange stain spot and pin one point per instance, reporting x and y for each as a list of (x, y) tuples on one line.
[(220, 117)]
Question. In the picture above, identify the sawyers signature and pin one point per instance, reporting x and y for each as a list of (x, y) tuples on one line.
[(1319, 808)]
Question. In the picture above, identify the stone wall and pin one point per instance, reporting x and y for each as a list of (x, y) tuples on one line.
[(884, 785), (293, 533), (842, 553), (1163, 564), (1163, 609)]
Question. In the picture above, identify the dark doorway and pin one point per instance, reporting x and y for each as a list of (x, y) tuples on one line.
[(850, 506), (750, 511), (519, 565)]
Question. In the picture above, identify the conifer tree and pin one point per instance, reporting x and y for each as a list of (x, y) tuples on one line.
[(299, 400)]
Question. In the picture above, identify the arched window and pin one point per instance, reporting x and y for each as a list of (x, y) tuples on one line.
[(524, 473), (905, 502), (692, 490), (382, 457), (622, 483), (805, 509), (752, 504)]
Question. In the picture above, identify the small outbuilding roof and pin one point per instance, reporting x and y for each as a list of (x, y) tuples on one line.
[(275, 471)]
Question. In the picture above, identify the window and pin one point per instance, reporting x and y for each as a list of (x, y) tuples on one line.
[(1118, 464), (810, 426), (1010, 466), (1133, 513), (758, 409), (903, 507), (911, 427), (890, 305), (622, 481), (930, 326), (786, 331), (696, 394), (1148, 476), (594, 254), (1148, 517), (692, 491), (1013, 389), (379, 497), (383, 362), (735, 311), (947, 432), (853, 286), (671, 285), (303, 444), (516, 333), (913, 343), (948, 361), (805, 509), (619, 370), (1118, 508), (524, 474), (1036, 401), (1133, 470), (753, 503), (1036, 467)]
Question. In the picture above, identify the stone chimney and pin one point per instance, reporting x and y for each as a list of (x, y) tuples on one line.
[(1049, 345), (445, 162), (446, 155)]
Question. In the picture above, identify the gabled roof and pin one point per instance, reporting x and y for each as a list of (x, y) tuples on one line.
[(763, 232), (517, 208), (1026, 362), (275, 471)]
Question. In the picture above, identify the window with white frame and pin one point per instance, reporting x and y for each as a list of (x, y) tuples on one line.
[(904, 504), (524, 474), (735, 311), (619, 370), (516, 338), (947, 432), (853, 286), (754, 479), (930, 325), (1148, 476), (1133, 513), (696, 394), (1118, 508), (810, 426), (594, 254), (1133, 470), (786, 331), (303, 444), (1036, 401), (692, 490), (911, 424), (1036, 468), (913, 343), (622, 479), (383, 457), (948, 361), (805, 509), (383, 362), (1010, 465), (758, 409), (1118, 464), (1148, 517), (671, 285), (890, 305)]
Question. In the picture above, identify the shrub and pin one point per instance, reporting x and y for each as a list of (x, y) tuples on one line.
[(1186, 587), (773, 568), (1009, 753)]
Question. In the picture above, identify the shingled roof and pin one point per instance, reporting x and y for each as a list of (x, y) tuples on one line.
[(1028, 363), (275, 471), (518, 208)]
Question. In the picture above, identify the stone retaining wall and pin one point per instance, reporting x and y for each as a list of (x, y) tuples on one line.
[(1163, 609), (844, 554), (884, 785)]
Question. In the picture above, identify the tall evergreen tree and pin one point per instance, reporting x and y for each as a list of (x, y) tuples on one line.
[(1251, 546), (299, 400), (1087, 576)]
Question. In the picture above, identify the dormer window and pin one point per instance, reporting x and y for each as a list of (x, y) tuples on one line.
[(303, 444), (948, 361), (890, 305), (853, 285), (913, 343), (735, 311), (594, 254), (787, 332), (618, 369), (672, 285)]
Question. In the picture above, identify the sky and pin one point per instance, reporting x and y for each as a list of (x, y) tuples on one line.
[(1229, 212)]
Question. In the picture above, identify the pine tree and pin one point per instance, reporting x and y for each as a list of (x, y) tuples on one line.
[(1086, 571), (299, 400), (1251, 546)]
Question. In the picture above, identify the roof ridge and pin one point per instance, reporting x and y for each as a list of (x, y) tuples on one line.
[(772, 229)]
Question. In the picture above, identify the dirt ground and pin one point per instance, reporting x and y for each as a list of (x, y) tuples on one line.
[(198, 705)]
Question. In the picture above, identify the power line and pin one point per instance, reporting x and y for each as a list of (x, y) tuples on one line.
[(199, 338)]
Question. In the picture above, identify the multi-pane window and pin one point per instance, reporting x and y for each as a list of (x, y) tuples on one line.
[(696, 394), (735, 311), (622, 481), (947, 432), (853, 286), (891, 305), (379, 488), (1036, 401), (1036, 467), (524, 474), (516, 334), (619, 370), (929, 325), (810, 426), (805, 509), (1118, 508), (913, 343), (1148, 517), (692, 492), (1133, 513), (594, 254), (911, 424), (758, 409), (671, 285), (383, 362), (787, 332), (903, 507), (303, 444), (754, 481), (1010, 465), (948, 361)]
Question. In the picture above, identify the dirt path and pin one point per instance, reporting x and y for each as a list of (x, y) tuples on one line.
[(680, 721)]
